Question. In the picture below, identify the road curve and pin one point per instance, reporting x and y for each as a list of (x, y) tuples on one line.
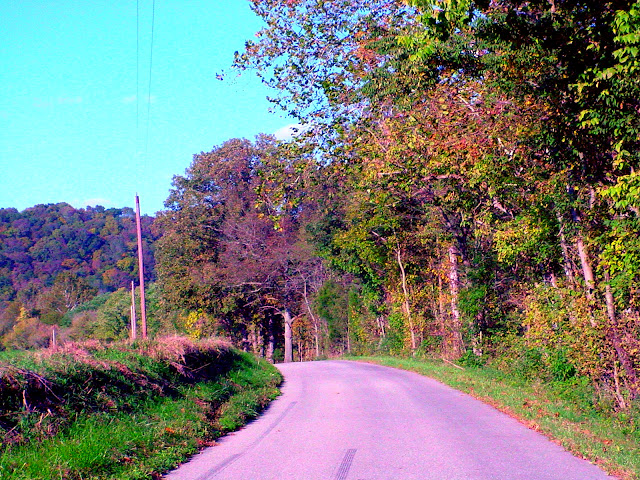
[(339, 420)]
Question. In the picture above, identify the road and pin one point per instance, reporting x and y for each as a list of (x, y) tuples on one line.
[(339, 420)]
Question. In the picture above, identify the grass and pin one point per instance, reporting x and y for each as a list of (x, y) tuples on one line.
[(139, 436), (563, 411)]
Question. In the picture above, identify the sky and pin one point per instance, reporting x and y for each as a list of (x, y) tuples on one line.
[(74, 97)]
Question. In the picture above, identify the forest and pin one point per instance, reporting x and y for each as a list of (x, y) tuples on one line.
[(463, 184), (54, 258)]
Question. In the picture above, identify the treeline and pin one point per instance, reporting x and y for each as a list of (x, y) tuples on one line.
[(54, 258), (464, 184)]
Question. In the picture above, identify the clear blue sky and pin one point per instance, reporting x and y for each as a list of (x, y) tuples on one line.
[(69, 131)]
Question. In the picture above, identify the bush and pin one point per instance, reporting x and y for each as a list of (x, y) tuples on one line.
[(523, 362), (470, 359), (431, 345), (560, 367)]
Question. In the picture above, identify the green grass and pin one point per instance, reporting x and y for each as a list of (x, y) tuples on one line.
[(153, 433), (563, 411)]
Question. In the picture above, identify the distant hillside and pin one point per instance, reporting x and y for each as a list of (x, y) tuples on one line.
[(54, 257)]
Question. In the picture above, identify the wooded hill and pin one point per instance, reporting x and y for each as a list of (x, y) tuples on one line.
[(53, 258)]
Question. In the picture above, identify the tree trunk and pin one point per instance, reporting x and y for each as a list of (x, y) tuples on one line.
[(271, 340), (253, 339), (316, 326), (381, 327), (316, 338), (616, 380), (589, 279), (260, 346), (608, 295), (442, 315), (288, 336), (587, 271), (406, 305), (454, 286), (566, 258), (613, 334)]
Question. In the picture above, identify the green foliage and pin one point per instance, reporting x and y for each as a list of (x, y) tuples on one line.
[(470, 359), (528, 241), (114, 316), (394, 341), (560, 367), (333, 304), (528, 363), (472, 301), (441, 20), (94, 304), (430, 346)]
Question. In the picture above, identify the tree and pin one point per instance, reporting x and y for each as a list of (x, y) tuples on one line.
[(68, 292), (490, 146), (27, 332), (578, 61), (231, 246)]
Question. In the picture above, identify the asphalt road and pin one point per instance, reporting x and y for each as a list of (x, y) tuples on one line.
[(340, 420)]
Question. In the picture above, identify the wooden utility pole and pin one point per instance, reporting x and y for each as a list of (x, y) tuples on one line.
[(134, 325), (143, 312), (288, 337)]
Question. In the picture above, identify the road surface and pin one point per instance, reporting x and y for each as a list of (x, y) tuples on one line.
[(339, 420)]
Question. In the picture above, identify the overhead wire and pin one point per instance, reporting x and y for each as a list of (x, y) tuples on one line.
[(137, 69), (153, 17), (141, 156), (137, 79)]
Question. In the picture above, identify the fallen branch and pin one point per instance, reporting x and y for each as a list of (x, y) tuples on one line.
[(452, 364)]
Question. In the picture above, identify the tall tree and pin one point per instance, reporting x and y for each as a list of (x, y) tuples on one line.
[(231, 249), (577, 60)]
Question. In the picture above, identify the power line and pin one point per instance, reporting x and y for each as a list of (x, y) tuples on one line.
[(137, 75), (148, 99), (153, 17)]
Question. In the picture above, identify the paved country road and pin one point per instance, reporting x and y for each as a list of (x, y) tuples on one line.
[(339, 420)]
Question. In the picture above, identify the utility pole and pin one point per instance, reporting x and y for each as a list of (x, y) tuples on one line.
[(143, 312), (134, 325)]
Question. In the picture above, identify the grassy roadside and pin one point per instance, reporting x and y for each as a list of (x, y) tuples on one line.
[(560, 411), (125, 413)]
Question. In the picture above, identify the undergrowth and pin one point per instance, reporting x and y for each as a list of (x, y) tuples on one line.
[(564, 411), (126, 411)]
